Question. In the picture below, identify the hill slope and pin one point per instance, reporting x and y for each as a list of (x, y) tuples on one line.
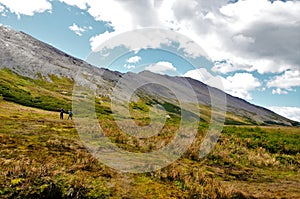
[(30, 58), (43, 157)]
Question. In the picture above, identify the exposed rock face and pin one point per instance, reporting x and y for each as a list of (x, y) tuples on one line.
[(29, 57)]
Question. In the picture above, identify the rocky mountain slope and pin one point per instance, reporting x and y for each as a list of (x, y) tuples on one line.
[(31, 58)]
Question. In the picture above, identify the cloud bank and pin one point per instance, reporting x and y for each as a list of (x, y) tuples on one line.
[(31, 7), (239, 84), (292, 113), (250, 35)]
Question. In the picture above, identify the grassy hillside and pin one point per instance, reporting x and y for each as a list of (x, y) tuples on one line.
[(48, 94), (53, 92), (43, 157)]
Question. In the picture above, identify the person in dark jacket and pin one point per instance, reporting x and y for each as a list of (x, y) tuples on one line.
[(61, 113), (70, 114)]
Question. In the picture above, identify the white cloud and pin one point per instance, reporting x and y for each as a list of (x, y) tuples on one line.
[(279, 91), (239, 85), (19, 7), (200, 74), (125, 15), (292, 113), (131, 61), (134, 59), (287, 80), (162, 67), (227, 67), (144, 39), (134, 15), (129, 66), (79, 30), (112, 11), (97, 40), (271, 35), (253, 35)]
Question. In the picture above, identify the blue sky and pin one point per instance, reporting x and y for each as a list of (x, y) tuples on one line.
[(253, 46)]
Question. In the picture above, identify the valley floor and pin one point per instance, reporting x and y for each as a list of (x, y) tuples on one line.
[(43, 157)]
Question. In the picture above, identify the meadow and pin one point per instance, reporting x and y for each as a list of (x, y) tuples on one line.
[(44, 157)]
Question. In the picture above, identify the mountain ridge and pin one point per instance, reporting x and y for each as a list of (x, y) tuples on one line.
[(29, 57)]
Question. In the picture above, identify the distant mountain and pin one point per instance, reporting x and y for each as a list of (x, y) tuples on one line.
[(33, 59)]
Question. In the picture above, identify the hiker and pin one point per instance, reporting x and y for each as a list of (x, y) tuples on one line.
[(62, 113), (70, 114)]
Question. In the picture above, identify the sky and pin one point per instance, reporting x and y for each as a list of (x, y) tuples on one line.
[(252, 46)]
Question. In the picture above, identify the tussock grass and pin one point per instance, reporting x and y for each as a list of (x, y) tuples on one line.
[(43, 157)]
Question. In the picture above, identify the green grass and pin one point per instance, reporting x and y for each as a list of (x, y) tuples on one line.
[(37, 93), (42, 156), (271, 140)]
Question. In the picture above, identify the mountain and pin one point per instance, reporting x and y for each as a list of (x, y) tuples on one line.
[(43, 70)]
